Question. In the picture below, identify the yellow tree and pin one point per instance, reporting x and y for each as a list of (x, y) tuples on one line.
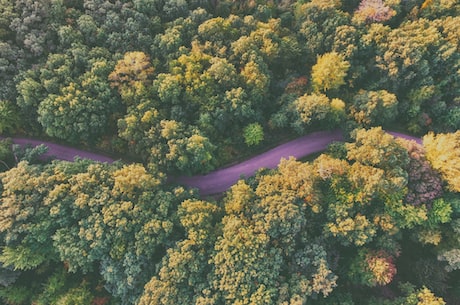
[(183, 276), (329, 72), (132, 74), (374, 107), (443, 152)]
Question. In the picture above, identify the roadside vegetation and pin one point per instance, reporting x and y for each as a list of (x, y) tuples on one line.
[(186, 87)]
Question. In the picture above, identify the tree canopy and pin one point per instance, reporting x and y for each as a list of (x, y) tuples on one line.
[(182, 87)]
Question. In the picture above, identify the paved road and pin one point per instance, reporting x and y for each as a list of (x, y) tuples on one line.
[(221, 179), (63, 152)]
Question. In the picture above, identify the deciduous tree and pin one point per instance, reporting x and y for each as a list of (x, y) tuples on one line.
[(9, 117), (442, 150), (132, 74), (253, 134), (80, 111), (373, 11), (329, 72), (374, 108), (184, 274), (412, 69), (424, 183), (315, 108), (7, 14), (317, 22)]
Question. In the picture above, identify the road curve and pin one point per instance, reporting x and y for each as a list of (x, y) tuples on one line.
[(220, 180)]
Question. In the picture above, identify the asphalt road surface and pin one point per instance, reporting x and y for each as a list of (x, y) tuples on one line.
[(62, 152), (220, 180)]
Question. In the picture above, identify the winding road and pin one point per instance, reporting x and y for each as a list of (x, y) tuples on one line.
[(220, 180), (62, 152)]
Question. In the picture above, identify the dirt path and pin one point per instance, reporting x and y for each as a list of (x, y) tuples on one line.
[(220, 180)]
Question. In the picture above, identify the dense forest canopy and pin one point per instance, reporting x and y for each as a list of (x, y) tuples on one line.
[(184, 87)]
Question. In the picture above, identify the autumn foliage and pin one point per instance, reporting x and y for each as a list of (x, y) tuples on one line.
[(177, 88)]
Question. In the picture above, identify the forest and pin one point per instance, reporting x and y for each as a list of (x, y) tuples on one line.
[(175, 88)]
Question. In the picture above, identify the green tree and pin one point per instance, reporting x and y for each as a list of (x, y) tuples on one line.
[(315, 108), (68, 35), (410, 57), (7, 15), (174, 147), (253, 134), (25, 228), (80, 73), (193, 153), (412, 296), (9, 117), (81, 111), (374, 108), (136, 124), (267, 42), (120, 27), (317, 22), (6, 154), (218, 30), (11, 61), (252, 269), (30, 93), (269, 224), (31, 154), (183, 276), (88, 27), (122, 230), (31, 26)]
